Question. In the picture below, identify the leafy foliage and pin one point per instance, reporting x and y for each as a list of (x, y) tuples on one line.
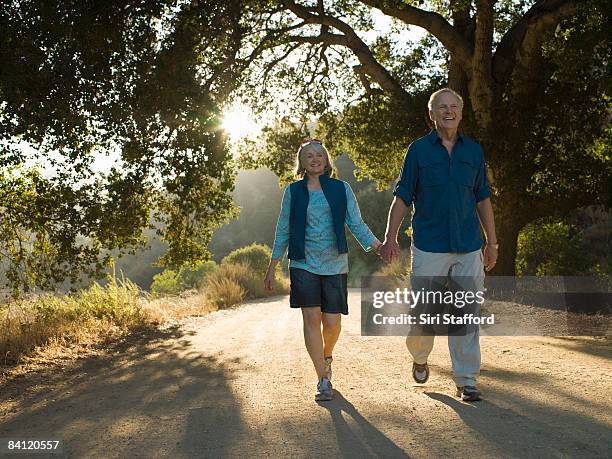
[(166, 283), (276, 148), (190, 276), (254, 256), (140, 83), (547, 248)]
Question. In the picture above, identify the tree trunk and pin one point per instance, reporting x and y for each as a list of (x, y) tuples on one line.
[(508, 226), (463, 23)]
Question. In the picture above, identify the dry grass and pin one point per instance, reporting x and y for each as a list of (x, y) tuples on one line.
[(396, 268), (48, 327), (224, 293), (232, 283), (48, 323), (174, 308)]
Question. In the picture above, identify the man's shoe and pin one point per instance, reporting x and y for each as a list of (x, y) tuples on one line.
[(325, 392), (420, 372), (468, 393), (328, 368)]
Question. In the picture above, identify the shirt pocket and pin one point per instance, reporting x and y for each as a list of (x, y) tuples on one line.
[(466, 172), (434, 172)]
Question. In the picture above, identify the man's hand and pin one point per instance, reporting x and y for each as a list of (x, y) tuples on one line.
[(389, 251), (490, 257), (485, 214)]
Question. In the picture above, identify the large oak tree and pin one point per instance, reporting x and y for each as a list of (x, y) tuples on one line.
[(535, 77)]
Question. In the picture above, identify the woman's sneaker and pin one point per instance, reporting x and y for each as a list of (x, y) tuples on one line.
[(328, 368), (324, 390), (468, 393)]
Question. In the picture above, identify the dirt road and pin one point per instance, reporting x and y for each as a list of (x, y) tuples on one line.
[(239, 383)]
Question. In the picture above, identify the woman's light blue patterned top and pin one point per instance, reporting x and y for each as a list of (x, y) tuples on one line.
[(320, 245)]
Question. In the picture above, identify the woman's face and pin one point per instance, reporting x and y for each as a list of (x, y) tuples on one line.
[(314, 162)]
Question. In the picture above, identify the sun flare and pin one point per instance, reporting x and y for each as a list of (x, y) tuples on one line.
[(238, 122)]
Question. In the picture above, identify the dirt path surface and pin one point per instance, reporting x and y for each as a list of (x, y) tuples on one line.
[(239, 383)]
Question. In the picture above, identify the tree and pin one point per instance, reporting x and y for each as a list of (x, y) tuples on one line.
[(535, 78), (144, 80), (139, 81)]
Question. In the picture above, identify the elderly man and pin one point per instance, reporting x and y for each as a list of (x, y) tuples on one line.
[(444, 177)]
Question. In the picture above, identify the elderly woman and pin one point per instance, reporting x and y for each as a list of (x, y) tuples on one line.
[(311, 224)]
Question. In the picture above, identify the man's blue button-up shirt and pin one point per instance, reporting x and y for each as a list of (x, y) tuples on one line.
[(444, 190)]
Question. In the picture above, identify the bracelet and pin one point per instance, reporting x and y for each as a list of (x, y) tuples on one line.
[(495, 246)]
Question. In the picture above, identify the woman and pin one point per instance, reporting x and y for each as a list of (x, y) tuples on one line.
[(311, 224)]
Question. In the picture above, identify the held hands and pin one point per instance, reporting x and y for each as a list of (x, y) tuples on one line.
[(389, 251)]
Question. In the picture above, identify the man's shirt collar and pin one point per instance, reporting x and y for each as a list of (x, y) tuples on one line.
[(434, 137)]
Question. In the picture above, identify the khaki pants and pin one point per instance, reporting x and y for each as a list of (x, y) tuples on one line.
[(462, 268)]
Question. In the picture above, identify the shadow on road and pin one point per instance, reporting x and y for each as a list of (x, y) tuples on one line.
[(594, 347), (520, 418), (150, 397), (364, 439)]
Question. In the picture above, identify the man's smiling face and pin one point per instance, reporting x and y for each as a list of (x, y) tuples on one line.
[(446, 111)]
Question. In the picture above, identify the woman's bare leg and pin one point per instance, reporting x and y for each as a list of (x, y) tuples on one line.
[(332, 325), (313, 338)]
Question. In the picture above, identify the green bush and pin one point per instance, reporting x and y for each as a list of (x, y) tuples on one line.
[(256, 256), (166, 283), (545, 248), (117, 302), (169, 282), (193, 276)]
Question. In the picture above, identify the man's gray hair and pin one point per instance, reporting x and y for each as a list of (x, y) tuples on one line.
[(439, 92)]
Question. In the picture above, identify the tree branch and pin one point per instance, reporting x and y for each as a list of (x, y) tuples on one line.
[(348, 39), (434, 23), (520, 46), (365, 82)]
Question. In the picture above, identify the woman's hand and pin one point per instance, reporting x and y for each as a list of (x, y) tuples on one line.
[(269, 279), (376, 245)]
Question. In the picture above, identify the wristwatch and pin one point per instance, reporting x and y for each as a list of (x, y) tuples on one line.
[(495, 246)]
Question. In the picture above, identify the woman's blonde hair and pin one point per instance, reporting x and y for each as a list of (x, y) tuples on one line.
[(317, 146)]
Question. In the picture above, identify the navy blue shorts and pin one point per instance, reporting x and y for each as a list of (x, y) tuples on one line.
[(310, 290)]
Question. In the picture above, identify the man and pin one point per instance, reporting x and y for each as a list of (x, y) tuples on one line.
[(444, 177)]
